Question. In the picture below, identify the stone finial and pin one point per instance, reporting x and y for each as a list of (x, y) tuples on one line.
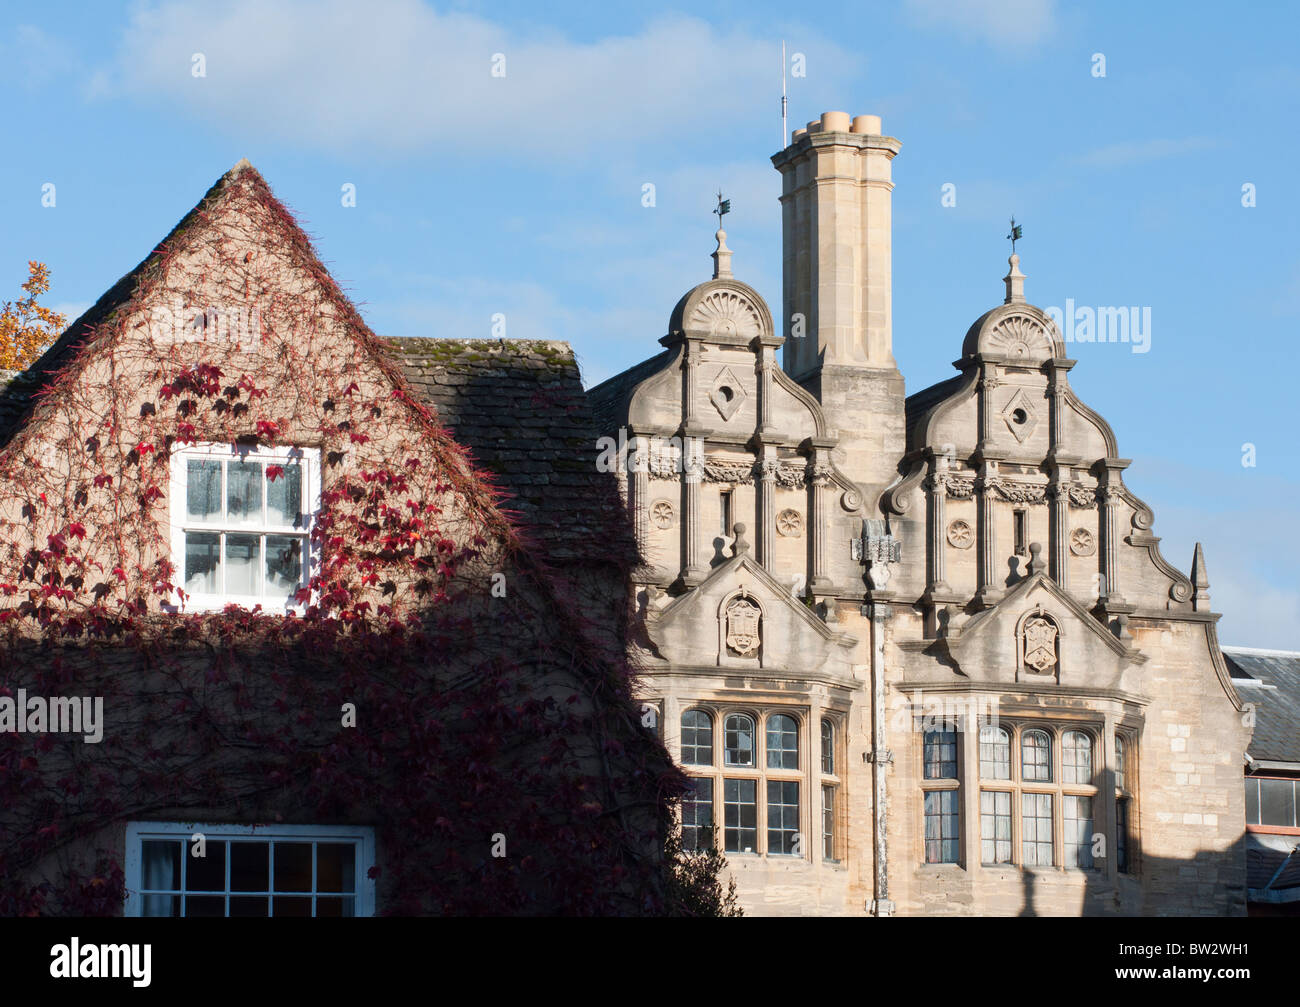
[(740, 545), (1200, 581), (1015, 281), (721, 257), (1036, 564)]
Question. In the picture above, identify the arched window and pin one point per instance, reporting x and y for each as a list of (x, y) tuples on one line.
[(828, 748), (782, 742), (1036, 757), (1076, 757), (738, 740), (697, 738), (995, 753)]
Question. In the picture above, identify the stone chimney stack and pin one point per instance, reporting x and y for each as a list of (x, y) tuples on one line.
[(838, 321)]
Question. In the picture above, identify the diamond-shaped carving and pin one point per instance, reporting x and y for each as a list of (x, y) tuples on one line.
[(1019, 416), (727, 394)]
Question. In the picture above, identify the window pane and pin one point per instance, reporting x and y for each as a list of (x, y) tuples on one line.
[(697, 815), (940, 755), (292, 870), (205, 905), (782, 742), (828, 747), (1036, 757), (283, 565), (1252, 802), (241, 563), (244, 493), (249, 906), (995, 827), (161, 865), (828, 823), (161, 905), (1119, 763), (336, 867), (1036, 827), (335, 907), (1076, 757), (782, 816), (697, 738), (941, 827), (206, 873), (740, 806), (1077, 812), (202, 562), (1276, 802), (248, 868), (1121, 836), (291, 906), (738, 740), (995, 753), (284, 497), (202, 490)]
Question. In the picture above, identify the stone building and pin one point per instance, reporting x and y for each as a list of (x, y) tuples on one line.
[(920, 654)]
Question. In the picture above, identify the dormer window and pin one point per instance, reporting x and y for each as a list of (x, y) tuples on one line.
[(241, 523)]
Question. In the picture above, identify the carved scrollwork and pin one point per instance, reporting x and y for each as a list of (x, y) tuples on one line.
[(821, 475), (1018, 492), (1082, 496)]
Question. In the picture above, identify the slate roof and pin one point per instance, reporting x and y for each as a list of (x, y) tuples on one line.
[(519, 406), (1272, 869), (1277, 699)]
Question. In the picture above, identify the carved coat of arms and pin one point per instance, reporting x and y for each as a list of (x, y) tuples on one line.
[(742, 627), (1040, 644)]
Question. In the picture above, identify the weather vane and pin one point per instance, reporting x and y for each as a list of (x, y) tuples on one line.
[(723, 208), (1017, 232)]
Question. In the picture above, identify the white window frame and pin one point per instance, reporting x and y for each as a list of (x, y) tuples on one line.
[(308, 458), (362, 835)]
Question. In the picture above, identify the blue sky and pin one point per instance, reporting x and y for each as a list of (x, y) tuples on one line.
[(522, 194)]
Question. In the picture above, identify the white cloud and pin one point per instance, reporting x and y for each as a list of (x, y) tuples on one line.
[(1137, 151), (1004, 23), (398, 75)]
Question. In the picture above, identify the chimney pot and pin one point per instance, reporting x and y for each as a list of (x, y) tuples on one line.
[(868, 124), (835, 122)]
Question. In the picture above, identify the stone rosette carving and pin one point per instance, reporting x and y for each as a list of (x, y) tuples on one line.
[(1082, 542), (743, 623), (960, 534), (1039, 635), (789, 523), (662, 513)]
